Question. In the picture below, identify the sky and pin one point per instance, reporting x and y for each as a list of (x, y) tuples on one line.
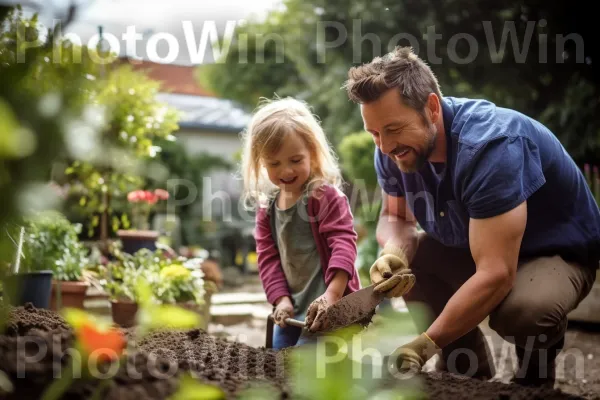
[(183, 21)]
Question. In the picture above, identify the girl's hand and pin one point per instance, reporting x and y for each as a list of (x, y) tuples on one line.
[(284, 309), (315, 316)]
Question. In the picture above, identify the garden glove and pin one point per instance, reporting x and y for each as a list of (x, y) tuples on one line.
[(412, 356), (316, 316), (390, 273), (283, 310)]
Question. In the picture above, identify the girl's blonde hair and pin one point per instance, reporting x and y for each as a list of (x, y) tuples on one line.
[(271, 123)]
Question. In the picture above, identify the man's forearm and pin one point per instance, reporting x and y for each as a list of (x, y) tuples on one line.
[(399, 232), (470, 305)]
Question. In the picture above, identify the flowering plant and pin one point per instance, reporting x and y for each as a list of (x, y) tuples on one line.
[(170, 280), (143, 201), (180, 282)]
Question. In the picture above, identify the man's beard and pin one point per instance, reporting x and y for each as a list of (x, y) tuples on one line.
[(420, 157)]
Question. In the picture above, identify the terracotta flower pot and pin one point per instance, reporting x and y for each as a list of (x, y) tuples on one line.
[(124, 312), (134, 240), (72, 294)]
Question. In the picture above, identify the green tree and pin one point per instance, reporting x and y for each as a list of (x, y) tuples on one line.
[(356, 154), (545, 71), (136, 119), (40, 104)]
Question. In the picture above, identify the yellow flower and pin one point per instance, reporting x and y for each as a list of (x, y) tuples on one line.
[(252, 257), (239, 259), (175, 271)]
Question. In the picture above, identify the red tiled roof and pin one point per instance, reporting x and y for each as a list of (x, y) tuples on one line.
[(175, 78)]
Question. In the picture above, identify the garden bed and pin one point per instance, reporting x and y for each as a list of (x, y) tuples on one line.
[(153, 366)]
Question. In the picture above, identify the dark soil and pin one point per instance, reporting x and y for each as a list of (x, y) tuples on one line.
[(229, 365), (445, 386), (152, 367), (357, 309), (584, 378)]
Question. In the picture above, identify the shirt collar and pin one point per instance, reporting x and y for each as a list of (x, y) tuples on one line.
[(448, 116)]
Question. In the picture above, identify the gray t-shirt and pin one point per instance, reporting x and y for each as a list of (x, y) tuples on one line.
[(299, 255)]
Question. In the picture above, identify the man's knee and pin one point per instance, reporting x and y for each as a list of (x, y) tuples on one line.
[(530, 318)]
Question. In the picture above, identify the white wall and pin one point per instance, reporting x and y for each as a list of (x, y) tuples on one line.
[(225, 145)]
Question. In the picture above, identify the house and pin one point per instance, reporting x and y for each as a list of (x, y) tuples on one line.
[(209, 124), (212, 125)]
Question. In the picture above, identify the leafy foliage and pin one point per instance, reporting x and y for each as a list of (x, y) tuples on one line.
[(190, 389), (51, 242), (40, 107), (529, 56), (356, 153), (170, 281), (137, 118)]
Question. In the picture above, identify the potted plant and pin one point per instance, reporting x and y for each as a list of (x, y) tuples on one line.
[(28, 280), (173, 280), (181, 282), (52, 243), (141, 236), (69, 289), (121, 277)]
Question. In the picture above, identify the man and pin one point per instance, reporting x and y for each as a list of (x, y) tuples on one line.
[(511, 230)]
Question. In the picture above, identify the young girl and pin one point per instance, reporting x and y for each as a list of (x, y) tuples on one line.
[(305, 237)]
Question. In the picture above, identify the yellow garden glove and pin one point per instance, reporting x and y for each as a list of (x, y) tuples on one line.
[(390, 273), (412, 356)]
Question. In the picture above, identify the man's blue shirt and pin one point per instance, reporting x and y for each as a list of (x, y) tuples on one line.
[(498, 158)]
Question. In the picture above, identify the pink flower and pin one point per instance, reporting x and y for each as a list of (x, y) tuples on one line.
[(150, 198), (161, 194), (135, 196)]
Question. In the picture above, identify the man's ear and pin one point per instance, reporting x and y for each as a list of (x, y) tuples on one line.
[(434, 109)]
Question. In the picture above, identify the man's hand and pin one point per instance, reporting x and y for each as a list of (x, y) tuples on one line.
[(284, 309), (390, 272), (412, 356), (315, 316)]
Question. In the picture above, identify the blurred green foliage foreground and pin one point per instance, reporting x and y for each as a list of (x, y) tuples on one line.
[(69, 113)]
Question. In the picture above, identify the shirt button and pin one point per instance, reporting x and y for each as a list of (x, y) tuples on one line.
[(441, 213)]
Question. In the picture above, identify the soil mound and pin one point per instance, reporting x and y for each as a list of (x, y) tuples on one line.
[(35, 348)]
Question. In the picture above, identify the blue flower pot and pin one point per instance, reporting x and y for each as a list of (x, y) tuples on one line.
[(29, 287), (134, 240)]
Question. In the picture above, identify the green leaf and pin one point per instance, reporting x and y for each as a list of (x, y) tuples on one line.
[(15, 141), (191, 389), (165, 316), (6, 385)]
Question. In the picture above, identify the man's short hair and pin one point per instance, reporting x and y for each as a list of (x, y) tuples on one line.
[(401, 69)]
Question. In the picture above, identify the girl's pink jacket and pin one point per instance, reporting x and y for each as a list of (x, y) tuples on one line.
[(333, 229)]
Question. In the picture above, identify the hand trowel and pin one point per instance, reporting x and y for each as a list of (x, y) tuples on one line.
[(355, 307)]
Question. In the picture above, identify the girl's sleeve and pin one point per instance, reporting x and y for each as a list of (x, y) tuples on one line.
[(269, 263), (336, 224)]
